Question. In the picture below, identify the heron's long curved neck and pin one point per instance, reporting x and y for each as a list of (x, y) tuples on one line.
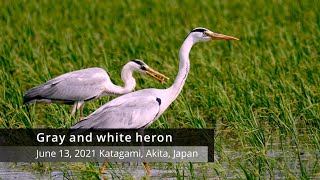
[(129, 82), (184, 67)]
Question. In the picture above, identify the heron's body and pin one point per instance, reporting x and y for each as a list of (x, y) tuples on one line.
[(84, 85), (151, 106), (141, 108)]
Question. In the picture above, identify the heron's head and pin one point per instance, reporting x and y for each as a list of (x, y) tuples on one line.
[(203, 35), (141, 67)]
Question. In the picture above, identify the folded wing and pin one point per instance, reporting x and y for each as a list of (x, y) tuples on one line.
[(122, 113), (84, 84)]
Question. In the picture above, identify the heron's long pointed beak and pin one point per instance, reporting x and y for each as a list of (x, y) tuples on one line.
[(217, 36), (155, 74)]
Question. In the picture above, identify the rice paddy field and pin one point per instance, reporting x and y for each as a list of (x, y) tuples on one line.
[(261, 94)]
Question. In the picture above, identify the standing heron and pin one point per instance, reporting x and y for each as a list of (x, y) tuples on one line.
[(87, 84), (141, 108)]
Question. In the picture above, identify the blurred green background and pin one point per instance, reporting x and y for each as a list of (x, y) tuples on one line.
[(260, 94)]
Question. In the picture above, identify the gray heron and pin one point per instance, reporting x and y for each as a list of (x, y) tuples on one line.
[(141, 108), (77, 87)]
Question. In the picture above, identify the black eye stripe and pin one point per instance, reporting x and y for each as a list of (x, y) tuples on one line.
[(138, 62), (199, 30)]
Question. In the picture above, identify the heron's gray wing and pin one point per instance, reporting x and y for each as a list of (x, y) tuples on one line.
[(122, 113), (77, 85)]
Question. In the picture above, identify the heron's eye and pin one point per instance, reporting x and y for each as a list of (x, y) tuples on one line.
[(143, 68), (204, 34)]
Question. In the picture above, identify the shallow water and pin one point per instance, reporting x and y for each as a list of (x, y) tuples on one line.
[(11, 171), (287, 158), (24, 171)]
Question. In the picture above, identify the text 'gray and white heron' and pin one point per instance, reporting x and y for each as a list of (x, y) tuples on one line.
[(141, 108), (76, 87)]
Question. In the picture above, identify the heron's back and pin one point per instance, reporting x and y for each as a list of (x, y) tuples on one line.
[(79, 85)]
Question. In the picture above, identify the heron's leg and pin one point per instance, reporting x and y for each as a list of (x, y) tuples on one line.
[(103, 167), (81, 109), (147, 167), (74, 108)]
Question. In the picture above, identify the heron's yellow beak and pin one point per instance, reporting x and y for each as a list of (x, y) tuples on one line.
[(155, 74), (216, 36)]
